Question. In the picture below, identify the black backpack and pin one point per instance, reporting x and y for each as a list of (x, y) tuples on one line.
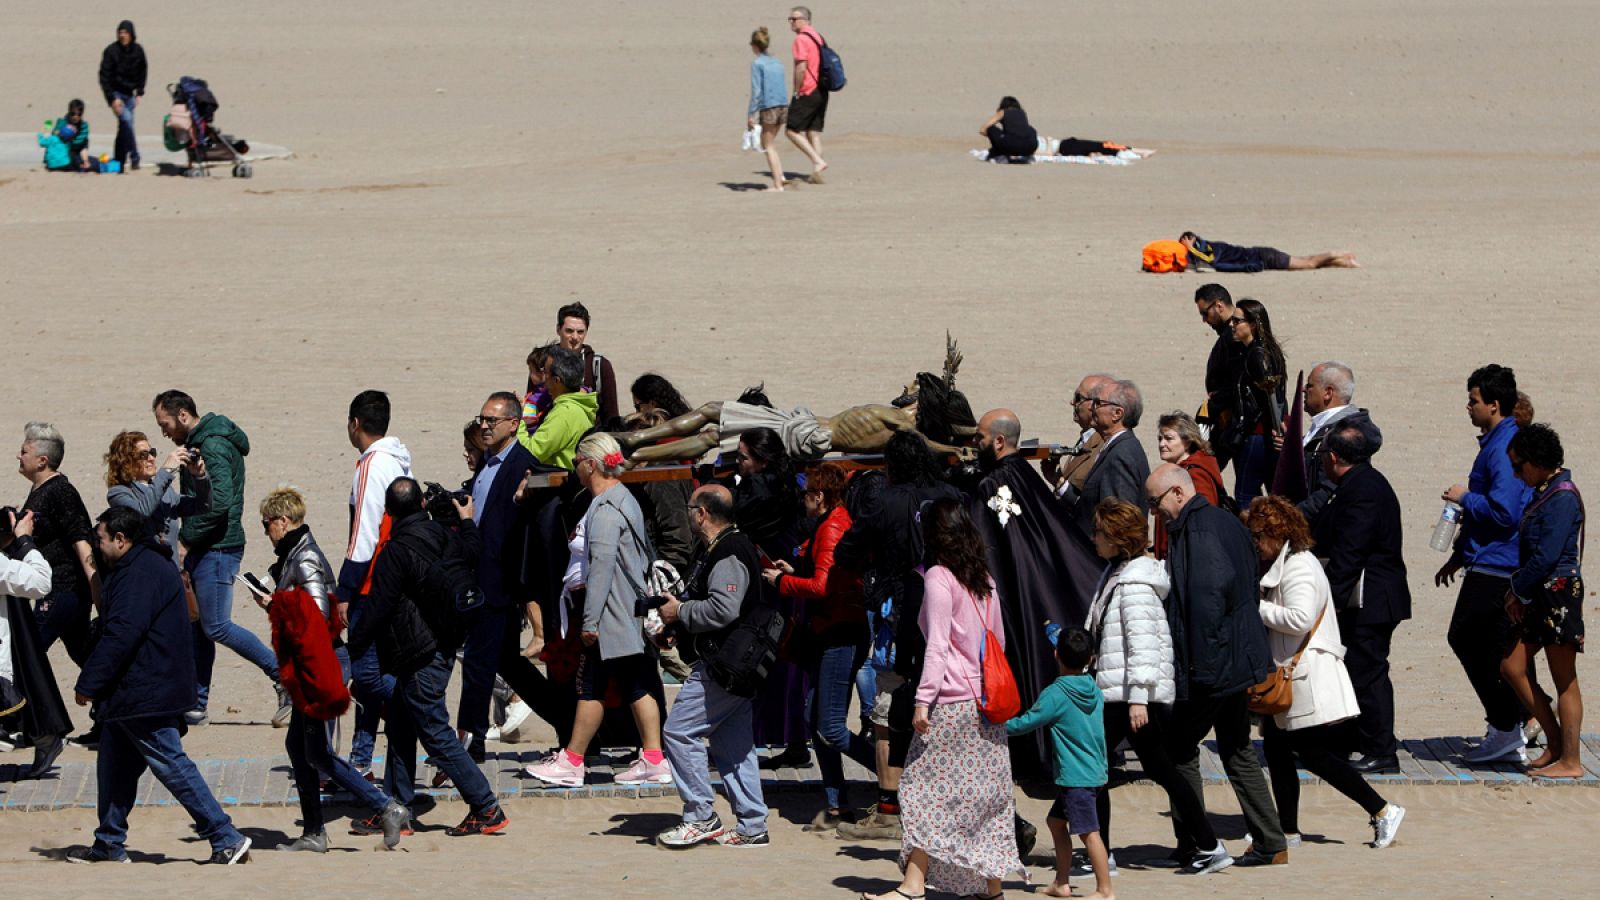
[(449, 576)]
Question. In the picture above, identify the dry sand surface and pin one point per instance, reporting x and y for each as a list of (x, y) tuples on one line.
[(462, 169)]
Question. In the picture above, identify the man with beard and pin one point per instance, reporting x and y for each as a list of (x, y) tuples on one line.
[(1044, 570)]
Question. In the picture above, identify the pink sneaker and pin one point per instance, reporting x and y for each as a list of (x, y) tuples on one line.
[(554, 769), (642, 772)]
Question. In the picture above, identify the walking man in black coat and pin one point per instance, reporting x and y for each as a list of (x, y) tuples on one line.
[(123, 71), (141, 673)]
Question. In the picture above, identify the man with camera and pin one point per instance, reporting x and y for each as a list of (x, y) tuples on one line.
[(412, 615), (722, 592)]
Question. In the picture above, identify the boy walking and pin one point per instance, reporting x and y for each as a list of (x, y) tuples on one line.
[(1071, 707)]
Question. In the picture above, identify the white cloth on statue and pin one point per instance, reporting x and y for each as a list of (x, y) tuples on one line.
[(803, 436)]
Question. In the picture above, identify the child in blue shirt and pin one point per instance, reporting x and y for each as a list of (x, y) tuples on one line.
[(1072, 708)]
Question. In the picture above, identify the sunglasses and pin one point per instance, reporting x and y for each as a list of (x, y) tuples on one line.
[(151, 452), (492, 421), (1238, 320), (1154, 503)]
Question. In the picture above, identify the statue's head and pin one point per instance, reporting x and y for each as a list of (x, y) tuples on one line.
[(942, 413)]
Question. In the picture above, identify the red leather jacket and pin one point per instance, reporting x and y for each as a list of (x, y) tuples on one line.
[(834, 602)]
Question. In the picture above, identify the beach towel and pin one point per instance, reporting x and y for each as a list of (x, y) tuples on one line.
[(1126, 157)]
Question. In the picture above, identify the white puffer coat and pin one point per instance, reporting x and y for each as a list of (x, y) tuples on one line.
[(1135, 664)]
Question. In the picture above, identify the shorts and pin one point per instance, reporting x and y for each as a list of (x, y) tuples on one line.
[(1555, 617), (888, 683), (1270, 257), (1076, 807), (773, 115), (807, 111), (624, 678)]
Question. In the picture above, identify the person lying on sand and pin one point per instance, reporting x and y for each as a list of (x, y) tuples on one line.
[(1233, 258)]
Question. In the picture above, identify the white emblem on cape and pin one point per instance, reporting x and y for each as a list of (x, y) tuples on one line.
[(1003, 505)]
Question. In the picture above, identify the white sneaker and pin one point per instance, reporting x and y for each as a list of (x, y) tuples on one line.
[(1386, 826), (493, 734), (1498, 745), (642, 772), (1290, 841), (516, 714)]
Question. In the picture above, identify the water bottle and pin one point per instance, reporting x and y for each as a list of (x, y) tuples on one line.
[(1444, 533)]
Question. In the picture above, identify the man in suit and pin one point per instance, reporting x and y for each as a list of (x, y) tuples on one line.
[(1359, 534), (1330, 391), (1120, 469), (1074, 470)]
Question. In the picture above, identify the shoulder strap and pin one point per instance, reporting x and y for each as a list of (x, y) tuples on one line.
[(1307, 642), (815, 38)]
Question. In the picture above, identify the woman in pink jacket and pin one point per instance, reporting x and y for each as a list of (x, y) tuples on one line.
[(956, 805)]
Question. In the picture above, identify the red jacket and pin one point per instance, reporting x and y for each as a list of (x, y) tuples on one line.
[(833, 594)]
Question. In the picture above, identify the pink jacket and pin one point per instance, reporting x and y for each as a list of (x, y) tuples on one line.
[(951, 670)]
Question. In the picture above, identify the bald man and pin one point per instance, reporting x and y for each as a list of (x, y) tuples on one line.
[(1219, 649), (723, 590), (1071, 471)]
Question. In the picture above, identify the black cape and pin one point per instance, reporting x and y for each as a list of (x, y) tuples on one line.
[(1045, 569), (44, 715)]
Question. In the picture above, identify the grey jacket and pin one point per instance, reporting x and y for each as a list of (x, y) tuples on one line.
[(161, 505), (619, 563), (305, 566)]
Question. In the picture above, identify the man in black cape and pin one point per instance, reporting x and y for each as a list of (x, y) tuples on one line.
[(1044, 568), (31, 702)]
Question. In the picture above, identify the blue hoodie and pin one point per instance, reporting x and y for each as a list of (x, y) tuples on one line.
[(1492, 508), (1073, 708)]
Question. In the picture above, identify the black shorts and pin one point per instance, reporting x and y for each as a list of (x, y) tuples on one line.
[(806, 113), (1076, 807), (1271, 257), (625, 678)]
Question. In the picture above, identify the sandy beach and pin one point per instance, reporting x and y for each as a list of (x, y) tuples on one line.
[(462, 170)]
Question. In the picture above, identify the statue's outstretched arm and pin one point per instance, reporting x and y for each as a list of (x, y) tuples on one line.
[(689, 448), (683, 426)]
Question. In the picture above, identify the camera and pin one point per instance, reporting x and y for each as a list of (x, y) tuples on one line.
[(1059, 450), (439, 502), (6, 513)]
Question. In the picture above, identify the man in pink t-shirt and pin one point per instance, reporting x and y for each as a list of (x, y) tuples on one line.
[(810, 105)]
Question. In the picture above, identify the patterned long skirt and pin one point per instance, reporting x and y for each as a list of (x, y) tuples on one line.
[(956, 803)]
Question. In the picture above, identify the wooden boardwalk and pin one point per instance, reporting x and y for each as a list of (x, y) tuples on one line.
[(266, 781)]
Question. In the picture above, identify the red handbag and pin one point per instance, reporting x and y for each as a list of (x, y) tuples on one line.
[(999, 700), (308, 668)]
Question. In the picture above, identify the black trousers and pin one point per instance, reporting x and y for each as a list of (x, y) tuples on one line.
[(1311, 746), (1150, 743), (493, 645), (1480, 634), (1367, 660)]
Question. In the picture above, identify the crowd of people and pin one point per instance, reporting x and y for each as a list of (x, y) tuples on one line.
[(782, 588)]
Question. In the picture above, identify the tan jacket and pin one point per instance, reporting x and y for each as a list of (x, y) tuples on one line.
[(1075, 469), (1293, 591)]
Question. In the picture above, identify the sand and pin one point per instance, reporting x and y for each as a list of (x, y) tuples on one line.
[(462, 170)]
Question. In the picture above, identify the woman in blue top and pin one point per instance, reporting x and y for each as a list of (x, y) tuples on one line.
[(1545, 602), (769, 101)]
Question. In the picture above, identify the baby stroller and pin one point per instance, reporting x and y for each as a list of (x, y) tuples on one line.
[(190, 127)]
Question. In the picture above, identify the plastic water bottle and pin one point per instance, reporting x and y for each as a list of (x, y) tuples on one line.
[(1444, 533)]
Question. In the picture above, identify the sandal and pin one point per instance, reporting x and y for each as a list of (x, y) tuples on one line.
[(899, 892)]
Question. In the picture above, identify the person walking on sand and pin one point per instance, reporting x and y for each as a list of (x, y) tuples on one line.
[(809, 107), (123, 70), (768, 105)]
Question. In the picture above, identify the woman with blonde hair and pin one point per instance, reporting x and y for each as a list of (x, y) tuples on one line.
[(769, 101), (1178, 441), (615, 652)]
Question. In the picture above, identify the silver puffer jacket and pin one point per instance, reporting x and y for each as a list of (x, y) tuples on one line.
[(304, 566)]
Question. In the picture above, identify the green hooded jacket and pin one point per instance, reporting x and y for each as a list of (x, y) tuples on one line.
[(224, 446), (557, 436)]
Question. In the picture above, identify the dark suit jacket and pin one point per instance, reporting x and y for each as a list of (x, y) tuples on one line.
[(1359, 532), (501, 527), (1320, 486), (1119, 471)]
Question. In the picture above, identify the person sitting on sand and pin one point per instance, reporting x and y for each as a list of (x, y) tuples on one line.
[(1008, 131), (1233, 258), (74, 133)]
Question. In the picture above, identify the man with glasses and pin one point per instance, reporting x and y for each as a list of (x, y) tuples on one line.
[(1120, 467), (809, 107), (1491, 504), (1222, 367), (1071, 471), (1220, 651)]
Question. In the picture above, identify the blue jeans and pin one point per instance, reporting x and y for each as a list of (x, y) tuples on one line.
[(127, 748), (420, 713), (371, 689), (1254, 469), (828, 711), (310, 753), (706, 713), (212, 572), (127, 143)]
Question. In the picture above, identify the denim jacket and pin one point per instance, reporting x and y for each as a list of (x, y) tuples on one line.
[(1492, 506), (1550, 542), (767, 87)]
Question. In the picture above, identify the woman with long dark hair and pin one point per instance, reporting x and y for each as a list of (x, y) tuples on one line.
[(651, 391), (956, 804), (1260, 388)]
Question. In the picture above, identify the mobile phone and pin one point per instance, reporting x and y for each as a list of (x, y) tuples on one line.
[(254, 584)]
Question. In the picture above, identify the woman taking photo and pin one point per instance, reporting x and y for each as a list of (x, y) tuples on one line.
[(1178, 441), (769, 101), (134, 480), (956, 805), (832, 635), (1303, 632), (1261, 405), (1546, 597), (300, 565), (1134, 671), (616, 654)]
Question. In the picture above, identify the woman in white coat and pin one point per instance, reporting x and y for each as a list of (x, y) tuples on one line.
[(1134, 670), (1297, 608)]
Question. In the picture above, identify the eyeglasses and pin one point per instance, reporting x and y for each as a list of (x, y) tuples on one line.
[(1100, 403), (151, 452), (691, 507), (797, 18), (493, 421), (1078, 398), (1155, 502), (1237, 320)]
